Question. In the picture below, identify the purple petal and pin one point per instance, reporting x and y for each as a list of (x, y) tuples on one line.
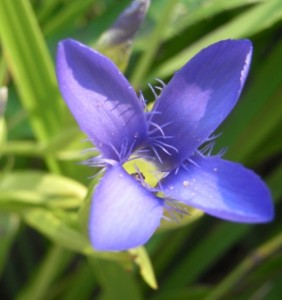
[(100, 98), (124, 214), (200, 96), (222, 189)]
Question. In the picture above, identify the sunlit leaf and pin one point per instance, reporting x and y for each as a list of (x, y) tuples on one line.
[(2, 134), (32, 69), (39, 188), (55, 229), (142, 259)]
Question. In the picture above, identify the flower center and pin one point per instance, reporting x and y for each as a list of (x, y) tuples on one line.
[(143, 171)]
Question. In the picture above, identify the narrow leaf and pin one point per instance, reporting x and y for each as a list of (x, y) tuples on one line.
[(55, 229), (9, 225), (248, 23), (40, 188), (116, 282), (142, 259)]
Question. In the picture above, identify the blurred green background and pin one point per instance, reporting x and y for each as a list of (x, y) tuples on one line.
[(44, 251)]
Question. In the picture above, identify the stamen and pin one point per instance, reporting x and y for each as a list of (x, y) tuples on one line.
[(94, 149), (159, 88), (175, 209), (222, 151), (142, 153), (125, 150), (142, 99), (162, 147), (157, 127), (177, 170), (167, 145), (213, 137), (166, 218), (150, 115), (114, 149), (153, 91), (124, 146), (99, 162), (206, 150), (97, 174), (153, 112), (161, 82), (162, 137), (193, 162), (156, 154)]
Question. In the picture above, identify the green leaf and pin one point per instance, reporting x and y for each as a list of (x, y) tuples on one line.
[(3, 70), (3, 130), (170, 243), (274, 182), (248, 23), (56, 226), (205, 253), (9, 224), (64, 146), (3, 134), (116, 282), (31, 65), (241, 271), (255, 134), (188, 12), (79, 284), (66, 15), (32, 69), (187, 293), (26, 188), (155, 39), (185, 14), (143, 261), (53, 264), (258, 112), (48, 224)]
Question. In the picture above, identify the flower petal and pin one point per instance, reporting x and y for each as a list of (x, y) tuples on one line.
[(124, 214), (200, 96), (100, 99), (223, 189)]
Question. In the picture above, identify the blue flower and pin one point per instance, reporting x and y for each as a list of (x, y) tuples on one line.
[(175, 135)]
